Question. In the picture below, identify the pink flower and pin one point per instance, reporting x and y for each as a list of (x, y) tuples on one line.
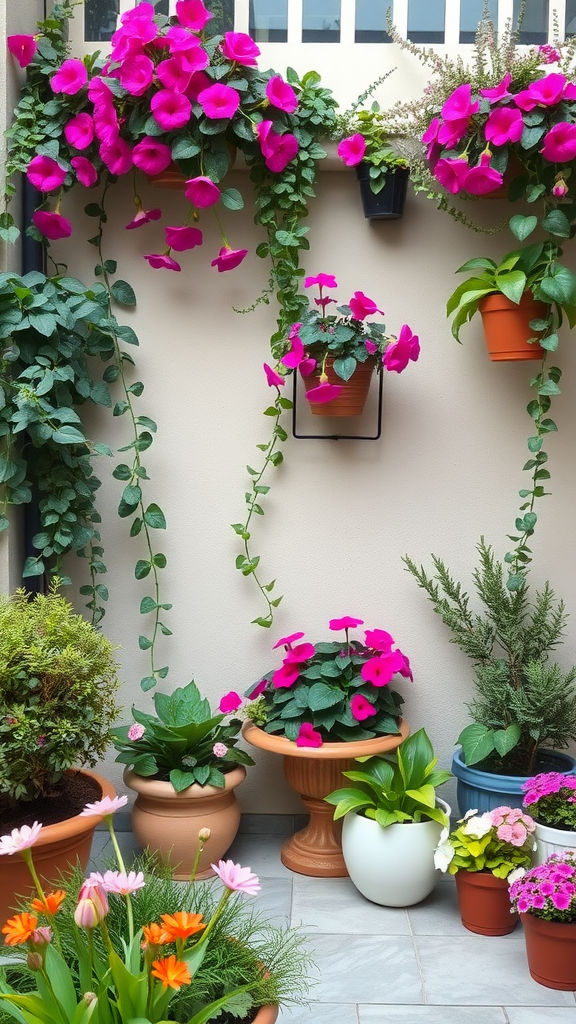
[(241, 48), (379, 640), (322, 280), (459, 104), (500, 92), (198, 82), (560, 143), (361, 708), (258, 689), (324, 393), (361, 306), (183, 238), (23, 48), (42, 936), (52, 225), (296, 655), (285, 676), (504, 125), (117, 156), (352, 149), (45, 173), (171, 109), (230, 702), (202, 191), (20, 839), (151, 156), (136, 74), (162, 261), (219, 101), (482, 179), (406, 671), (85, 171), (295, 354), (282, 149), (192, 14), (545, 92), (560, 188), (308, 736), (431, 133), (228, 258), (274, 379), (307, 366), (79, 131), (281, 95), (119, 882), (451, 174), (286, 641), (379, 671), (399, 353), (347, 622), (236, 878), (370, 346), (450, 133), (107, 805), (173, 74), (136, 732), (71, 76), (549, 54), (219, 750), (144, 217), (92, 905)]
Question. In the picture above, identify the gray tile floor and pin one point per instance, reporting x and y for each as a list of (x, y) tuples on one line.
[(378, 965)]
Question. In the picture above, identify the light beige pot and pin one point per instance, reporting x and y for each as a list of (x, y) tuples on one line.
[(168, 822)]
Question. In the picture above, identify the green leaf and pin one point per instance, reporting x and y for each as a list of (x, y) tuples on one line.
[(557, 223), (506, 739), (521, 226), (144, 643), (148, 604), (232, 199), (147, 683), (142, 569), (123, 293), (67, 434), (154, 517), (512, 284), (477, 743)]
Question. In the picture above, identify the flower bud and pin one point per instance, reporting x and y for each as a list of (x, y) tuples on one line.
[(42, 936), (204, 835), (92, 905), (560, 188), (34, 961), (89, 997)]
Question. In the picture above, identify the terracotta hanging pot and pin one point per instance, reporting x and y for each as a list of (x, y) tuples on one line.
[(388, 204), (484, 903), (514, 169), (58, 846), (173, 177), (314, 772), (551, 952), (352, 398), (507, 326), (168, 822)]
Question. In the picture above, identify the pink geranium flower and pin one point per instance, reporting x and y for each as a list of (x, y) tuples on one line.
[(229, 259), (135, 74), (79, 131), (504, 125), (459, 104), (352, 149), (23, 48), (400, 352), (346, 622), (379, 671), (361, 306), (107, 805), (171, 109), (85, 171), (219, 101), (560, 143), (285, 676), (294, 356), (52, 225), (192, 14), (286, 641), (136, 732), (230, 702), (324, 393), (308, 736), (20, 839), (236, 878), (274, 379), (219, 750), (202, 191), (361, 708), (71, 76), (183, 238), (451, 174), (483, 179), (281, 95), (144, 217), (45, 173), (162, 261), (117, 156), (240, 48), (151, 156)]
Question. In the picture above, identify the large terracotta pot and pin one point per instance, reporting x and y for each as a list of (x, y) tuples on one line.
[(551, 840), (266, 1014), (484, 903), (314, 772), (352, 399), (168, 822), (58, 846), (484, 791), (551, 952), (507, 326)]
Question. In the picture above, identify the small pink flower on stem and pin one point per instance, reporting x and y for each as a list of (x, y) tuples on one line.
[(162, 261), (85, 171), (136, 74), (51, 224), (296, 655), (229, 259), (151, 156), (482, 179), (378, 640), (308, 736), (183, 238), (92, 906), (560, 188), (230, 702), (400, 352), (143, 216), (322, 280), (23, 48), (71, 76), (258, 689), (307, 366), (20, 839), (79, 131), (504, 125), (361, 306), (352, 149), (117, 155), (119, 882), (170, 109), (560, 143), (379, 671), (346, 622), (451, 174), (136, 732), (295, 355), (285, 676), (237, 878), (219, 101), (500, 92), (192, 14), (459, 104), (274, 379), (107, 805), (219, 750), (286, 641)]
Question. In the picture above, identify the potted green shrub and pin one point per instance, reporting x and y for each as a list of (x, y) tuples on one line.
[(551, 798), (482, 852), (58, 679), (523, 700), (392, 822), (184, 765), (545, 898), (382, 173)]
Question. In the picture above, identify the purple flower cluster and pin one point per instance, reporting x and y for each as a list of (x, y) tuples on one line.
[(548, 891), (552, 798)]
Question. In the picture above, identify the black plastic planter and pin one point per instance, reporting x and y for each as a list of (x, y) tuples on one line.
[(388, 204)]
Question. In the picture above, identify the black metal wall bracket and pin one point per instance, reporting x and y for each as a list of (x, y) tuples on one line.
[(336, 437)]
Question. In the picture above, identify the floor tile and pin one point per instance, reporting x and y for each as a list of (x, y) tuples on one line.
[(434, 1015), (530, 1015), (321, 1013), (262, 853), (274, 901), (366, 969), (335, 905)]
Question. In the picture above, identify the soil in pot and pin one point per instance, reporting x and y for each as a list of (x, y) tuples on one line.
[(71, 795)]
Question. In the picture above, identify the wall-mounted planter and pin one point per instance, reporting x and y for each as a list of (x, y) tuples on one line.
[(507, 326), (352, 399), (388, 204)]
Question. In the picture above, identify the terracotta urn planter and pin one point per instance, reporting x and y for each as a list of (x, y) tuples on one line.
[(484, 903), (507, 326), (57, 847), (551, 952), (168, 822), (314, 772), (352, 399)]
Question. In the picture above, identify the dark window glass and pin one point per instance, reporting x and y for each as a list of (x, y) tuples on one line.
[(269, 21), (426, 21), (100, 19), (471, 12), (371, 21), (321, 21), (570, 29), (162, 7), (223, 17), (534, 28)]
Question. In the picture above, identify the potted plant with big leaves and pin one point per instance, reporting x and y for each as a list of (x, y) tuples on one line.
[(392, 822), (185, 765), (382, 173)]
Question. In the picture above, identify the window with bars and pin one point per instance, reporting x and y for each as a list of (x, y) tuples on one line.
[(370, 24)]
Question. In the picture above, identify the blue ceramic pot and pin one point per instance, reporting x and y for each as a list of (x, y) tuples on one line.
[(484, 790)]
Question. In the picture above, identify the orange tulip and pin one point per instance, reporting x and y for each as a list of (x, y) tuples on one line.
[(172, 973), (51, 904), (18, 929), (181, 925)]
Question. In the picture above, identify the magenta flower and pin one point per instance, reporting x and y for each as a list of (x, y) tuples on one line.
[(504, 125), (451, 174), (85, 171), (71, 76), (23, 48), (379, 671), (286, 641), (307, 366), (549, 54), (278, 150), (45, 173), (192, 14), (151, 156), (294, 356), (482, 179), (162, 261), (347, 622), (258, 689), (406, 671), (431, 133), (20, 839), (400, 352), (300, 653), (107, 805), (352, 149), (219, 101), (173, 75), (500, 92), (560, 143), (281, 95), (450, 133), (241, 48), (171, 109), (459, 104), (545, 92), (285, 676), (322, 280), (219, 750), (136, 732), (79, 131), (198, 82), (230, 702), (183, 238), (52, 225), (202, 191), (361, 306), (144, 217), (324, 393), (361, 708), (308, 736), (228, 258), (136, 74), (275, 380), (560, 188), (370, 346), (117, 156), (379, 640), (236, 878), (106, 125)]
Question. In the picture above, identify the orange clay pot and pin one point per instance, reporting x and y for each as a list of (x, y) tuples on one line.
[(507, 326), (352, 399)]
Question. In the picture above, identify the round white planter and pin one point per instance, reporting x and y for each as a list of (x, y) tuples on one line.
[(551, 840), (393, 866)]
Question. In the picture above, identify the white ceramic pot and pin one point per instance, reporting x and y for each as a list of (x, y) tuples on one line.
[(551, 840), (393, 866)]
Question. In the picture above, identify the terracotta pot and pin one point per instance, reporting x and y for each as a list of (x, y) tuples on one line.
[(484, 903), (314, 772), (352, 399), (551, 952), (507, 326), (168, 822), (266, 1014), (173, 178), (58, 846), (388, 204)]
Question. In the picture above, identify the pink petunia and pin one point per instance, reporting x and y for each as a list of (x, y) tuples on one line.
[(560, 143), (143, 217), (151, 156), (379, 640), (85, 171), (482, 179), (183, 238), (400, 352), (173, 74), (459, 104), (346, 622), (240, 48), (71, 76), (228, 259), (545, 92), (117, 156), (171, 109), (379, 671), (23, 48), (300, 653), (192, 14), (285, 676), (451, 174), (52, 225), (324, 393), (294, 356), (230, 702), (274, 379), (361, 708), (279, 150), (236, 878), (361, 306), (79, 131), (202, 192), (198, 83), (45, 173), (219, 101), (308, 736), (504, 125), (499, 92), (322, 280), (162, 261), (136, 74), (281, 95), (286, 641), (107, 805), (352, 149)]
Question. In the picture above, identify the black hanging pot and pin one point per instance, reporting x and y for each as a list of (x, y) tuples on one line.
[(388, 204)]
